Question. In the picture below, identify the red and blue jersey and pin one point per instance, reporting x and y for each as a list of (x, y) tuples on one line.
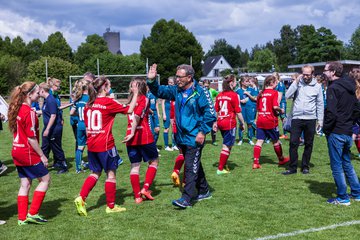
[(27, 126), (265, 108), (227, 106), (99, 119), (143, 134)]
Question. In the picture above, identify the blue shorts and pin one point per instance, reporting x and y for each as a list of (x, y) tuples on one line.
[(32, 172), (154, 120), (81, 137), (107, 160), (244, 114), (228, 137), (263, 134), (250, 114), (146, 152), (283, 106)]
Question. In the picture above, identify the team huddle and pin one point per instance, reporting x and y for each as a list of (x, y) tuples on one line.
[(188, 109)]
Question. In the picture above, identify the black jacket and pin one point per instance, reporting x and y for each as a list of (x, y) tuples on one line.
[(341, 99)]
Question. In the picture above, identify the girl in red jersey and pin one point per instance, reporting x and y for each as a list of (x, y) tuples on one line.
[(267, 122), (28, 157), (99, 116), (140, 142), (227, 106)]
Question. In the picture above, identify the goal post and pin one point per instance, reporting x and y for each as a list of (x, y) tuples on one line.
[(119, 83)]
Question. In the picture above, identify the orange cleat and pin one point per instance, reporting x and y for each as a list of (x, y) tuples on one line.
[(256, 166), (139, 200), (284, 161), (147, 194)]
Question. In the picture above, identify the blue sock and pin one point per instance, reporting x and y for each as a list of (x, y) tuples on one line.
[(250, 133), (166, 139), (78, 158)]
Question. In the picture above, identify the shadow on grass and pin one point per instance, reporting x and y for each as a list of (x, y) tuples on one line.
[(324, 189), (49, 209), (231, 165), (102, 199), (10, 167)]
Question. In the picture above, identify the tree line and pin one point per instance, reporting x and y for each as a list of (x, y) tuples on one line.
[(168, 44)]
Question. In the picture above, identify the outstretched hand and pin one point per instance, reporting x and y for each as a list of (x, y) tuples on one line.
[(152, 71)]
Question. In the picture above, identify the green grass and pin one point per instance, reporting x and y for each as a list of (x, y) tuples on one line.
[(246, 204)]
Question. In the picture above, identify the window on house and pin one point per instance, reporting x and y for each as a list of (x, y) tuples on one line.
[(216, 72), (221, 62)]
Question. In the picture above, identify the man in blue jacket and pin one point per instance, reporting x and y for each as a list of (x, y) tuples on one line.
[(194, 117)]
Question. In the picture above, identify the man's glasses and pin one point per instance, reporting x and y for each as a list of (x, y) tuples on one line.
[(180, 76)]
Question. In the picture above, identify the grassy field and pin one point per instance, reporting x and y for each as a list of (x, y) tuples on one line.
[(246, 204)]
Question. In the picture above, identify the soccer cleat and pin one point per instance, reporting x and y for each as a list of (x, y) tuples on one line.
[(120, 161), (176, 179), (139, 200), (158, 150), (251, 143), (169, 149), (240, 143), (214, 143), (284, 160), (267, 141), (147, 194), (85, 164), (80, 206), (3, 168), (181, 203), (79, 171), (284, 137), (221, 172), (256, 166), (35, 219), (204, 196), (20, 222), (175, 148), (356, 199), (115, 209), (339, 201)]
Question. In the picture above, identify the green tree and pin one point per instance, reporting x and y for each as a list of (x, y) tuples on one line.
[(169, 45), (353, 47), (94, 44), (56, 46), (33, 49), (57, 68), (231, 54), (263, 61), (285, 47), (12, 71)]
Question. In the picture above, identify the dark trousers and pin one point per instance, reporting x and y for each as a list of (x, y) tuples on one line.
[(213, 136), (53, 143), (195, 181), (297, 127)]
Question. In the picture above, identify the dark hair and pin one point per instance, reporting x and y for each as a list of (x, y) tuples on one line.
[(337, 67), (226, 82), (268, 81), (95, 88)]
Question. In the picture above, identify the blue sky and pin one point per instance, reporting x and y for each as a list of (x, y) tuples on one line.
[(240, 22)]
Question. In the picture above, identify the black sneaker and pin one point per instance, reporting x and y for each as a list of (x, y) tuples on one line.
[(61, 171), (288, 172), (181, 203)]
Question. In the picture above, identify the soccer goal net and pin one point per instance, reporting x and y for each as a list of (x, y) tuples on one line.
[(119, 83)]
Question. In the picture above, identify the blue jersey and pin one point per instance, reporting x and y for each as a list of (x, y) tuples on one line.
[(253, 92), (80, 106), (152, 100), (281, 88), (35, 106), (74, 119), (50, 107), (242, 96), (58, 102)]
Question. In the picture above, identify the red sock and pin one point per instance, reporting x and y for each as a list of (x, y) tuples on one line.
[(88, 185), (37, 200), (257, 152), (179, 161), (224, 155), (135, 183), (149, 176), (357, 143), (23, 202), (110, 193), (278, 151)]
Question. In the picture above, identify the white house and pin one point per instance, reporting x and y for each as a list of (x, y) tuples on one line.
[(214, 65)]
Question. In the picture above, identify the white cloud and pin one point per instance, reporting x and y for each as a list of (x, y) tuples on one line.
[(13, 25)]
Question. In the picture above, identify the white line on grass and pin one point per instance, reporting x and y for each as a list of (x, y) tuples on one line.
[(280, 235)]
